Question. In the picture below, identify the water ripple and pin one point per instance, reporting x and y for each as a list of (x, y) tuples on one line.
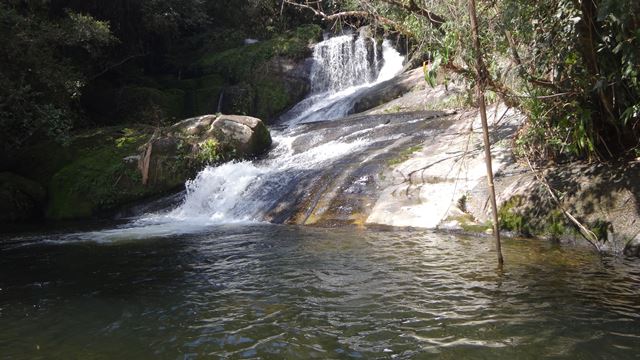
[(261, 291)]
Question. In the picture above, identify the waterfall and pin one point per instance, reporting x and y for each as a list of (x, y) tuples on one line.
[(244, 191), (342, 67), (342, 62)]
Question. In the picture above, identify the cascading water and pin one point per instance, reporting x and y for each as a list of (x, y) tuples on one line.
[(341, 62), (342, 68), (244, 191)]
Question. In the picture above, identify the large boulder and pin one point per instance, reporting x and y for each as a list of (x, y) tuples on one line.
[(172, 155), (176, 153), (247, 135)]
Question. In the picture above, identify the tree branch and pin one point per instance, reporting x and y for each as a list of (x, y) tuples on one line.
[(108, 68), (350, 14), (436, 20)]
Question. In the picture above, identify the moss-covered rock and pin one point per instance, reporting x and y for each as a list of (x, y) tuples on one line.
[(100, 176), (273, 97), (240, 64), (20, 198), (104, 169), (238, 99), (262, 79)]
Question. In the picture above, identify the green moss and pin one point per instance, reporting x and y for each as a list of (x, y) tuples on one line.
[(555, 224), (458, 101), (404, 155), (239, 64), (516, 216), (98, 178), (393, 110), (271, 98), (511, 219), (239, 99), (130, 136), (476, 228)]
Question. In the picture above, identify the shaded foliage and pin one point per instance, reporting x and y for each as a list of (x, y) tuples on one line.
[(67, 63), (43, 67)]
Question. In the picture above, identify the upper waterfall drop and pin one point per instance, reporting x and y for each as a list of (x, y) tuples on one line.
[(340, 63), (342, 66)]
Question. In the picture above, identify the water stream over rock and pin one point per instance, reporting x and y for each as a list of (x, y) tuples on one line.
[(305, 151)]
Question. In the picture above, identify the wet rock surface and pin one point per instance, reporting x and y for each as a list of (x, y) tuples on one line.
[(427, 186)]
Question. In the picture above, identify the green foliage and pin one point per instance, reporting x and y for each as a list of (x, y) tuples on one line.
[(583, 67), (96, 177), (20, 198), (39, 81), (150, 105), (129, 137), (209, 152), (572, 66), (511, 220)]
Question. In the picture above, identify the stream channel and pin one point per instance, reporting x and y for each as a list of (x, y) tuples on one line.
[(220, 275)]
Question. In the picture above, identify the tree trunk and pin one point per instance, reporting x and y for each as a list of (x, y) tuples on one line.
[(481, 80)]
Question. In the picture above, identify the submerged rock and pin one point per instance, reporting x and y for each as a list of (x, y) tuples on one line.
[(633, 247)]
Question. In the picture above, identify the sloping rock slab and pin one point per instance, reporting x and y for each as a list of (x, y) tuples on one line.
[(425, 189), (387, 91)]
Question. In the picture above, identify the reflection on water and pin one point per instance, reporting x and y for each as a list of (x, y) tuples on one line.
[(287, 292)]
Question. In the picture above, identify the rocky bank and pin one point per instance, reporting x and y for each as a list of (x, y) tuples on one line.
[(102, 170)]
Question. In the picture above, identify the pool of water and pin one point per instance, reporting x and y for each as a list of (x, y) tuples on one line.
[(282, 292)]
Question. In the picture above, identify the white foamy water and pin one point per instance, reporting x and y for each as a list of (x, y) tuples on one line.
[(240, 192)]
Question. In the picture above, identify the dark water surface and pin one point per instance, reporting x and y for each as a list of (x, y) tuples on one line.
[(278, 292)]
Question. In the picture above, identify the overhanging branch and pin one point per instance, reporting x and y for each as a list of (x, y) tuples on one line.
[(436, 20), (351, 14)]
